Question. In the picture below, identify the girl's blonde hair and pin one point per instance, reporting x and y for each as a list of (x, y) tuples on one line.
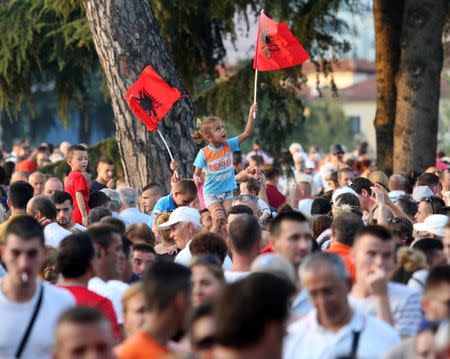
[(129, 294), (205, 128)]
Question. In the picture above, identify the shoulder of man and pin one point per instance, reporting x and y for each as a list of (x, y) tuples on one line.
[(58, 296)]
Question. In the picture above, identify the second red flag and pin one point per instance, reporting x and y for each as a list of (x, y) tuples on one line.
[(150, 98), (276, 47)]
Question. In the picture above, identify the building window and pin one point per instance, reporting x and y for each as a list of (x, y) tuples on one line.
[(355, 123)]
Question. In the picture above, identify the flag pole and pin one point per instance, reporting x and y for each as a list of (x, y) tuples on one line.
[(257, 58), (168, 149), (256, 83)]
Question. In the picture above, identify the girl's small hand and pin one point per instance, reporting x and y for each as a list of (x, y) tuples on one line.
[(251, 170), (198, 180), (173, 165), (253, 110)]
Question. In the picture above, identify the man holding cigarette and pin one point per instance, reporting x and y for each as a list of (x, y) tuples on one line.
[(29, 308)]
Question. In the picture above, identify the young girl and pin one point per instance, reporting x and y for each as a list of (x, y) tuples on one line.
[(216, 160)]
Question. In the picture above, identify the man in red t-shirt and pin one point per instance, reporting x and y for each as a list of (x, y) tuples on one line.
[(343, 229), (76, 255), (76, 183)]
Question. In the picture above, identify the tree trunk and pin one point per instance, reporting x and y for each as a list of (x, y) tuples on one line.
[(418, 85), (6, 130), (126, 36), (388, 25)]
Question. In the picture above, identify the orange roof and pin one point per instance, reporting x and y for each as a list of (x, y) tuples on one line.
[(361, 91), (367, 90), (344, 65)]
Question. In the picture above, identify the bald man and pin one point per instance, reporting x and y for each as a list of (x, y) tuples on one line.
[(52, 185), (37, 180), (397, 186), (19, 176)]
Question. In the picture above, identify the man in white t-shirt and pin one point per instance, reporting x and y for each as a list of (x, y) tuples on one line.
[(373, 255), (290, 236), (333, 329), (43, 209), (244, 239), (109, 247), (64, 209), (20, 290)]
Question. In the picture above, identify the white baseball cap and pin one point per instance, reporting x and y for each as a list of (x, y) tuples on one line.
[(433, 224), (341, 190), (182, 214), (421, 192)]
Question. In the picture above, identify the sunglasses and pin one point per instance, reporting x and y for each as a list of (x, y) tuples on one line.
[(204, 343), (394, 220)]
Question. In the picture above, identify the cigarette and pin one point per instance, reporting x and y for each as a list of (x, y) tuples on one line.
[(24, 277)]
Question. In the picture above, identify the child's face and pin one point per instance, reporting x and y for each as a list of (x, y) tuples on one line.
[(217, 134), (79, 161), (183, 199)]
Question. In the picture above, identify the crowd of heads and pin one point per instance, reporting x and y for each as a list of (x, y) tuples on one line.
[(306, 249)]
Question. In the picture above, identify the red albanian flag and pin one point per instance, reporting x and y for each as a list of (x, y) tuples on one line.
[(276, 47), (150, 98)]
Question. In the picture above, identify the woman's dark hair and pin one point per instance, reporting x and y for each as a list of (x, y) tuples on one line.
[(320, 224), (402, 229)]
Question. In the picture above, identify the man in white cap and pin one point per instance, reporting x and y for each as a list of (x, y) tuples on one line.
[(341, 190), (184, 224)]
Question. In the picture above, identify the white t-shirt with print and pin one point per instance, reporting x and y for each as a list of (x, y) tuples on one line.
[(405, 304)]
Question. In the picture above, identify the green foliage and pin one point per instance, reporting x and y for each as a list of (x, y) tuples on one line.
[(195, 31), (279, 108), (49, 42), (325, 125), (107, 148), (315, 24), (44, 42)]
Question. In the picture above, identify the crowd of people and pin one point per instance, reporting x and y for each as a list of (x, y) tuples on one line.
[(306, 255)]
